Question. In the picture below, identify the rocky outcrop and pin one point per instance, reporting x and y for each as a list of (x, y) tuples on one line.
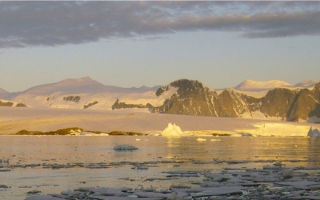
[(192, 98), (90, 104), (122, 105), (72, 98), (11, 104)]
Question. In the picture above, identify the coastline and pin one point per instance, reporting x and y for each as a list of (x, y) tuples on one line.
[(45, 120)]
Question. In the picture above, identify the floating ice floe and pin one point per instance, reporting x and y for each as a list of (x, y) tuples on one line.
[(172, 131), (125, 147), (270, 182), (314, 132), (42, 197), (5, 169)]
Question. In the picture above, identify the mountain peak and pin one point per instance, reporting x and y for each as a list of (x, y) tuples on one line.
[(182, 84), (70, 85), (186, 83), (307, 83), (2, 91), (83, 80)]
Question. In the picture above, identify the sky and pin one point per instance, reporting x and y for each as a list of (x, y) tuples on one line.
[(147, 43)]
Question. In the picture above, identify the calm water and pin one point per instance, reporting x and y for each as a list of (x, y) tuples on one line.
[(162, 155)]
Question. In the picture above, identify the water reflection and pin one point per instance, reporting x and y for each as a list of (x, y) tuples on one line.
[(62, 150), (304, 151), (59, 149)]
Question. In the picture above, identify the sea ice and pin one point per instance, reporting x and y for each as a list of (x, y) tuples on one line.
[(42, 197)]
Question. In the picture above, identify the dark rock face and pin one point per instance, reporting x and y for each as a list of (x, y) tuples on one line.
[(278, 102), (233, 104), (193, 98), (316, 94)]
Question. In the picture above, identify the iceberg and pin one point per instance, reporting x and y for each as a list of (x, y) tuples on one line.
[(313, 132), (172, 130)]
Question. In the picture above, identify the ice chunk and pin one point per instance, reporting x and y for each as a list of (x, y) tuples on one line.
[(125, 147), (172, 131)]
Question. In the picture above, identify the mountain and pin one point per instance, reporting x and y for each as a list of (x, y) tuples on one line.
[(306, 84), (2, 91), (262, 85), (193, 98), (273, 99), (80, 85), (5, 94), (82, 93)]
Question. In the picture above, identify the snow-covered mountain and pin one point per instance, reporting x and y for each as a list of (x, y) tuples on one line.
[(81, 85), (306, 84), (193, 98), (258, 86), (2, 91), (251, 99), (250, 85), (83, 93)]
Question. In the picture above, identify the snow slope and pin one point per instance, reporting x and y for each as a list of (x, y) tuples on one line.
[(17, 119), (307, 84), (251, 85), (90, 92), (259, 89)]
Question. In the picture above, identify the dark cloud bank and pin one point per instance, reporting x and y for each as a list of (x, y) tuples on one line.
[(58, 23)]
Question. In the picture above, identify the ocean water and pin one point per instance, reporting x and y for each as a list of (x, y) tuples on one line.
[(92, 161)]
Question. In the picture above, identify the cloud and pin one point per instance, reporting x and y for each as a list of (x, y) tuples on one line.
[(59, 23)]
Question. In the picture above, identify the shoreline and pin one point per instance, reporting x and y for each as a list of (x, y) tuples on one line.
[(76, 131), (46, 120)]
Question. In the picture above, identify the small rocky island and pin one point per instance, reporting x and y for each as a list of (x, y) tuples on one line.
[(76, 131)]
